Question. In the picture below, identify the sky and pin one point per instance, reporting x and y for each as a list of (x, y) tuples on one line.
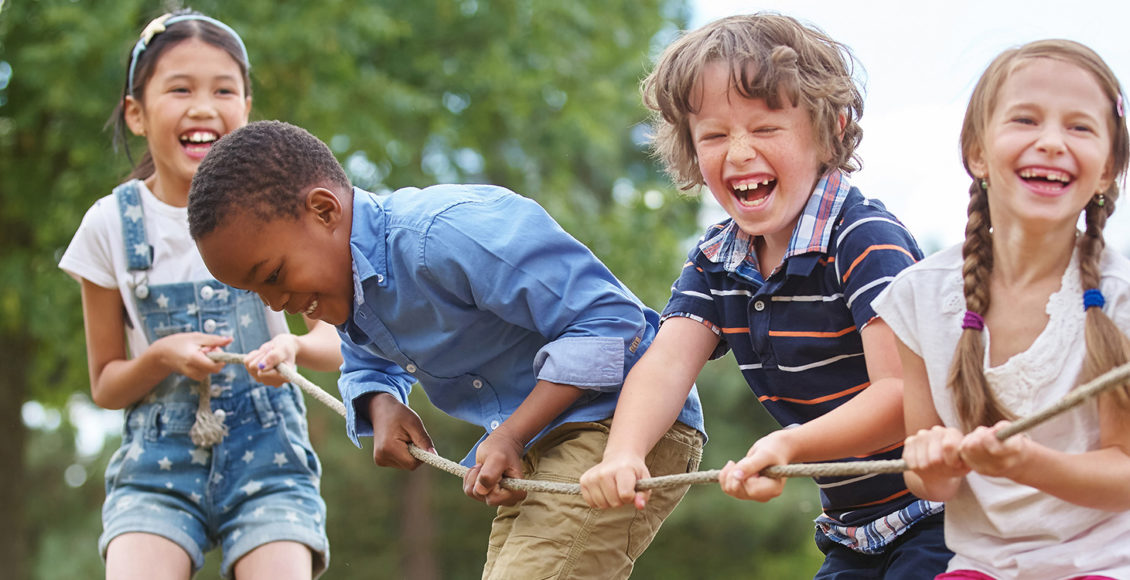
[(920, 61)]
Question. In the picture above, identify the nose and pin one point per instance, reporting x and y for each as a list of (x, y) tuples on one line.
[(274, 300), (1051, 140), (741, 149), (202, 107)]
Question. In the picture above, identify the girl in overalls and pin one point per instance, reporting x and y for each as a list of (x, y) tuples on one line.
[(211, 455)]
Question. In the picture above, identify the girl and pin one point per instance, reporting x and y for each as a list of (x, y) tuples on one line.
[(209, 454), (1007, 324)]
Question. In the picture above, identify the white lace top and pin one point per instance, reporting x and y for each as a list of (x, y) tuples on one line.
[(994, 525)]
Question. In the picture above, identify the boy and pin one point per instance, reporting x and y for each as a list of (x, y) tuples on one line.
[(476, 293), (763, 111)]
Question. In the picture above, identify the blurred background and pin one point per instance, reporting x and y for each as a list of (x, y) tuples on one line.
[(537, 96)]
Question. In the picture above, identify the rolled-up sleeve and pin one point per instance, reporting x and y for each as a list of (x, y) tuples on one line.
[(362, 374), (509, 257)]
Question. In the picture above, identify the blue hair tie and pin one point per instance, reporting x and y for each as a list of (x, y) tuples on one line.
[(1093, 297), (159, 24)]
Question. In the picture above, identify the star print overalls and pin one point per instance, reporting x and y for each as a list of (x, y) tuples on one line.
[(260, 483)]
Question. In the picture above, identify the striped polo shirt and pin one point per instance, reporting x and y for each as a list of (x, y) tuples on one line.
[(796, 335)]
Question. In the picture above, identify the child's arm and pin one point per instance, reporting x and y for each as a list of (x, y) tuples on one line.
[(1095, 479), (319, 350), (872, 420), (931, 450), (116, 381), (500, 454), (653, 394)]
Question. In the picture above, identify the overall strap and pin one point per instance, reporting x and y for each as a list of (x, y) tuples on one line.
[(139, 253)]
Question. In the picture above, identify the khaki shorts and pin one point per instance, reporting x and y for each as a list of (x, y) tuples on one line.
[(559, 536)]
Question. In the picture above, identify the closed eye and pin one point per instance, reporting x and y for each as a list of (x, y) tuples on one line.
[(273, 276)]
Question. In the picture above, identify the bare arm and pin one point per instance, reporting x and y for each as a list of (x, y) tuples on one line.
[(839, 433), (931, 450), (654, 392), (116, 381)]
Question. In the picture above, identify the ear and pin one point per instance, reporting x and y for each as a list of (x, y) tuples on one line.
[(135, 116), (324, 206), (977, 165), (841, 122)]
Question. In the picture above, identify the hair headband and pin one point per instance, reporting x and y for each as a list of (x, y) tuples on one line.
[(159, 24)]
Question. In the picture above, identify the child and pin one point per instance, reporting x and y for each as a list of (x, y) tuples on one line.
[(172, 491), (763, 111), (1044, 140), (505, 320)]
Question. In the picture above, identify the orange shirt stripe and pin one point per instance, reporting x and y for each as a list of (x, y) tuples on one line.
[(871, 249), (817, 400)]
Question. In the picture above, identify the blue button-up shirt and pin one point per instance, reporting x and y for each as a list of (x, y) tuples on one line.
[(477, 293)]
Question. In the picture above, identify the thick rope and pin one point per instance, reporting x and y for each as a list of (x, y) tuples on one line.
[(1108, 380)]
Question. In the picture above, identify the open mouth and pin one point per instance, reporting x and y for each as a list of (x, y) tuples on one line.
[(753, 193), (197, 143), (1046, 180)]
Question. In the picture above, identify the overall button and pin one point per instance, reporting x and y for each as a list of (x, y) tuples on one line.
[(209, 325), (141, 291), (759, 305), (477, 384), (410, 368), (493, 425), (207, 292)]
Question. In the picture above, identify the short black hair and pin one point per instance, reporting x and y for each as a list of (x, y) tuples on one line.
[(262, 169)]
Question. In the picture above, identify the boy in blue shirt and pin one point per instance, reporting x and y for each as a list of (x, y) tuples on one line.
[(763, 111), (504, 319)]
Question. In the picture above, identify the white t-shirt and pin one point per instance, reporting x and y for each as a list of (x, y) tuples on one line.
[(994, 525), (97, 254)]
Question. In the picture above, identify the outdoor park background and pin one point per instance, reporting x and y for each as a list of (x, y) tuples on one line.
[(534, 95)]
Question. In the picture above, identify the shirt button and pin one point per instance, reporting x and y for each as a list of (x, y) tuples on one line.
[(209, 325), (410, 368), (207, 292), (380, 279), (493, 425), (477, 384), (759, 305)]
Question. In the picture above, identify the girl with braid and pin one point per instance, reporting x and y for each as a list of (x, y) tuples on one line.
[(1025, 310)]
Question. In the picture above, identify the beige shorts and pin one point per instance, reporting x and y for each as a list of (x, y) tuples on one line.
[(559, 536)]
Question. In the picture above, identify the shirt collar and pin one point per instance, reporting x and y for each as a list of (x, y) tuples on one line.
[(367, 242), (728, 245)]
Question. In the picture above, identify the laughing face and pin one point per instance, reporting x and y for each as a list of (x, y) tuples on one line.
[(760, 164), (298, 265), (1047, 146), (195, 96)]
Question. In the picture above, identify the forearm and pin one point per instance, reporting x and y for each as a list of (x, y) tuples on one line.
[(1095, 479), (932, 488), (544, 403), (319, 349), (648, 406), (871, 421), (122, 382)]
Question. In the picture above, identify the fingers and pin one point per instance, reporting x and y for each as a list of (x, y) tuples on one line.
[(743, 481), (483, 483)]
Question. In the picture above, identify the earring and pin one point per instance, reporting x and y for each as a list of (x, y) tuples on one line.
[(1100, 199), (985, 184)]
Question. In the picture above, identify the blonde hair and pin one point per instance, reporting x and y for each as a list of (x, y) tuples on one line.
[(1107, 346), (770, 56)]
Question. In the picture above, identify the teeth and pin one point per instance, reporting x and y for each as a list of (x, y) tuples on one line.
[(199, 137), (1048, 175), (312, 308), (751, 186)]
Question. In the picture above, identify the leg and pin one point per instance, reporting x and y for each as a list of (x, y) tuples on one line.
[(140, 556), (559, 536), (275, 561)]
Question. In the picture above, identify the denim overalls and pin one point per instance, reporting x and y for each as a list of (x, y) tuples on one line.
[(260, 482)]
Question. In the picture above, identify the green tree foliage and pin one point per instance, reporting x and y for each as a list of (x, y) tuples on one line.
[(537, 96)]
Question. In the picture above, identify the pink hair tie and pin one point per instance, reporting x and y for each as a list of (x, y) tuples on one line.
[(973, 320)]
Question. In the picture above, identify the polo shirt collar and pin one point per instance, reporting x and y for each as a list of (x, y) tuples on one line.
[(733, 248)]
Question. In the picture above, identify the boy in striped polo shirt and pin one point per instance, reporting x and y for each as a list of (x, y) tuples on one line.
[(763, 111)]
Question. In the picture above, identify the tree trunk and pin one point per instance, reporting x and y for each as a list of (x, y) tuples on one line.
[(418, 527), (13, 389)]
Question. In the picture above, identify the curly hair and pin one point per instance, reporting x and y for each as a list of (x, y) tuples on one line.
[(771, 57), (263, 170), (1107, 346)]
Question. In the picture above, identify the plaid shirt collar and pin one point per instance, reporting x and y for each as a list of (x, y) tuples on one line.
[(733, 248)]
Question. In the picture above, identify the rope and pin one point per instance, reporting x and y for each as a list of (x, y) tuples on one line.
[(1108, 380)]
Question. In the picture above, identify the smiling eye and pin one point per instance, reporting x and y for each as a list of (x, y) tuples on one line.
[(273, 277)]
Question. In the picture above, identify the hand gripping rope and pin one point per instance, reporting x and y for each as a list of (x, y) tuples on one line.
[(1108, 380)]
